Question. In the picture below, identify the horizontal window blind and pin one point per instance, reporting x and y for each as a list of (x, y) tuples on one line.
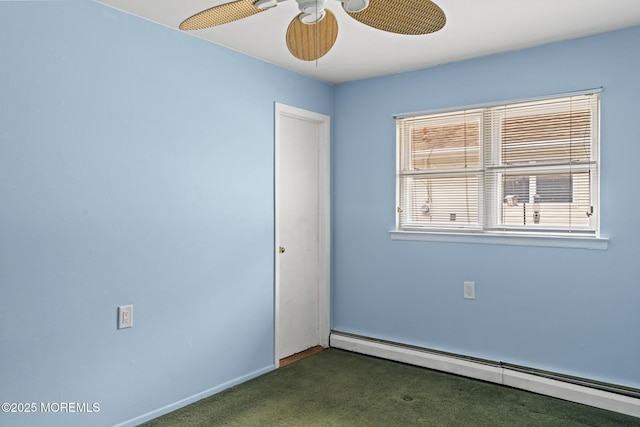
[(446, 201), (529, 166), (440, 170)]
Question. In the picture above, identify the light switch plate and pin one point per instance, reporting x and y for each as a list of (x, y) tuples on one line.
[(125, 316), (469, 290)]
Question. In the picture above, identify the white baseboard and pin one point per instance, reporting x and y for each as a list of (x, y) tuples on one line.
[(192, 399), (495, 374)]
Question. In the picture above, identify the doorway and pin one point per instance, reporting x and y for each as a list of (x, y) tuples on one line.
[(302, 231)]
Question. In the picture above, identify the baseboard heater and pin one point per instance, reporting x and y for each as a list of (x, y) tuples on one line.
[(612, 397)]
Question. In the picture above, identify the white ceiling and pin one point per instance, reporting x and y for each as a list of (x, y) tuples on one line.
[(474, 28)]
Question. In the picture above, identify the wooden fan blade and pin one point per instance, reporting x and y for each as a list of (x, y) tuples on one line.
[(310, 42), (222, 14), (410, 17)]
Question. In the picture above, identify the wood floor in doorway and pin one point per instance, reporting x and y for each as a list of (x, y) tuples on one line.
[(298, 356)]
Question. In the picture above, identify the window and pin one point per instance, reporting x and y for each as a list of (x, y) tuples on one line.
[(528, 168)]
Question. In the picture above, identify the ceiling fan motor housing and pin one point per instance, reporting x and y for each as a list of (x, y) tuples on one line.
[(352, 6), (265, 4), (312, 10)]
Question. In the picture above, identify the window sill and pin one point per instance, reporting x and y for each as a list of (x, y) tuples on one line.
[(598, 243)]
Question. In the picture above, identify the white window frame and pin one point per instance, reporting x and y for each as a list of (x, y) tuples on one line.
[(487, 232)]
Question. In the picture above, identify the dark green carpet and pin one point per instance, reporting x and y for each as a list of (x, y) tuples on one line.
[(338, 388)]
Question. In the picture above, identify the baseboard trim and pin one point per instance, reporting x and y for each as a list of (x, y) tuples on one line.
[(487, 371), (194, 398)]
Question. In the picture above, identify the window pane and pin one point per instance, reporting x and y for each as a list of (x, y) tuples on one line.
[(546, 138), (446, 146), (554, 188), (555, 201), (549, 188), (441, 141), (515, 189), (450, 201)]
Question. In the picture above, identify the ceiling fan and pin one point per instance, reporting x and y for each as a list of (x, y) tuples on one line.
[(313, 32)]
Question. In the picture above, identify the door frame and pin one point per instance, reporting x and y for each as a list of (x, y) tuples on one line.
[(324, 217)]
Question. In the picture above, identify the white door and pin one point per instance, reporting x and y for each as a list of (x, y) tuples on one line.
[(302, 231)]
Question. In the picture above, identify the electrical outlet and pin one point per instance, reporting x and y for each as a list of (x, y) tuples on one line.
[(125, 316), (469, 290)]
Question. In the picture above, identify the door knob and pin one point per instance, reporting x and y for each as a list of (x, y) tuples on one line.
[(281, 249)]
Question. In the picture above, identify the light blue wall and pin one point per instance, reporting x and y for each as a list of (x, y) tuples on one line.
[(566, 310), (136, 167)]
